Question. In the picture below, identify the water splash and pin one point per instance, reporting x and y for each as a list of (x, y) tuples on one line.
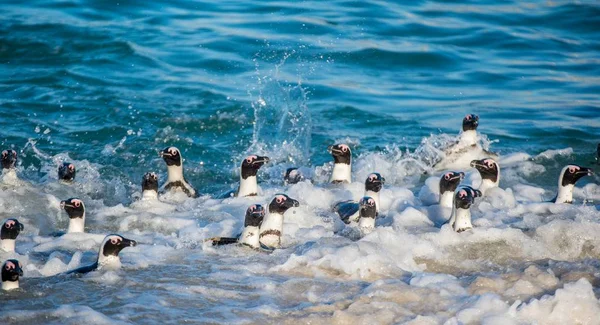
[(282, 120)]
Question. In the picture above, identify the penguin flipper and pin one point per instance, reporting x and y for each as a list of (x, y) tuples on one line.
[(346, 209), (84, 269), (220, 241)]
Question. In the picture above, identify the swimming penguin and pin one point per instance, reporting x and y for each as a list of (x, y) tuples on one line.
[(108, 256), (175, 179), (448, 183), (248, 183), (348, 210), (464, 197), (569, 175), (11, 271), (367, 213), (150, 186), (490, 173), (292, 176), (9, 160), (66, 172), (466, 148), (76, 211), (9, 232), (272, 226), (342, 167), (249, 237)]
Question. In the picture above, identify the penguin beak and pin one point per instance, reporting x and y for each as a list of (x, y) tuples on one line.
[(382, 180), (21, 227), (291, 203), (587, 171), (129, 242), (20, 270), (64, 204), (461, 175), (261, 160), (333, 150)]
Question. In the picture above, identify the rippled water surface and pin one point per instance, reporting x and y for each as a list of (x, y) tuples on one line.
[(106, 85)]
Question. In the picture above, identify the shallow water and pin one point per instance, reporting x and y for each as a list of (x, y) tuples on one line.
[(106, 86)]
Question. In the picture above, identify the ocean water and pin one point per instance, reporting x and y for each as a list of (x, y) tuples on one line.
[(107, 85)]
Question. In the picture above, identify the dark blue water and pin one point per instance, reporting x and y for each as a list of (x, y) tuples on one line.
[(114, 82)]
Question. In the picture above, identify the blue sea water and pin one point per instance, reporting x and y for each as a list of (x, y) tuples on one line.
[(108, 84)]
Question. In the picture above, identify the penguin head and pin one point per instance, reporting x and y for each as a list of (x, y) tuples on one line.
[(114, 244), (470, 122), (281, 203), (252, 164), (341, 153), (450, 180), (171, 156), (66, 172), (374, 182), (11, 229), (488, 168), (9, 159), (150, 182), (74, 207), (368, 207), (464, 197), (570, 174), (11, 270), (292, 176), (254, 216)]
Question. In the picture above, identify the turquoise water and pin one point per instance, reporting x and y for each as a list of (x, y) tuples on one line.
[(109, 84)]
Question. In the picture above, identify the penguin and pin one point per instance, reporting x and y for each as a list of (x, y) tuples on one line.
[(150, 186), (76, 211), (490, 173), (9, 163), (8, 234), (249, 237), (248, 183), (349, 210), (367, 213), (342, 167), (466, 148), (11, 271), (108, 256), (448, 183), (175, 179), (272, 227), (598, 154), (464, 197), (66, 172), (293, 175), (569, 175)]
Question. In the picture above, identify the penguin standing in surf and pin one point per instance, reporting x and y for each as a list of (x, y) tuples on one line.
[(342, 167), (248, 181), (448, 184), (76, 211), (11, 271), (250, 235), (11, 228), (150, 186), (67, 172), (569, 175), (466, 148), (489, 170), (464, 197), (175, 179), (108, 256), (349, 210), (367, 213), (272, 225), (9, 163), (293, 175)]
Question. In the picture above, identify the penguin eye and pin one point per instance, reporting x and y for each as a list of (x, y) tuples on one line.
[(4, 153), (279, 199), (71, 167), (10, 266), (447, 177), (468, 117), (76, 203), (462, 194), (572, 170), (489, 163), (9, 224), (249, 160), (371, 202), (252, 208), (115, 241), (344, 148), (372, 177), (173, 151)]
